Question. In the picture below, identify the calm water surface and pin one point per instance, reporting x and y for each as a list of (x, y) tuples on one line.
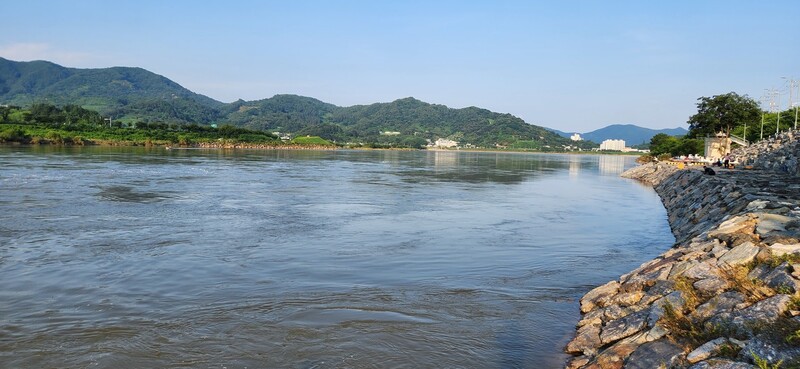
[(136, 258)]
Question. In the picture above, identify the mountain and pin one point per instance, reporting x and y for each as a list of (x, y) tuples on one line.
[(132, 95), (632, 134), (412, 117), (106, 90)]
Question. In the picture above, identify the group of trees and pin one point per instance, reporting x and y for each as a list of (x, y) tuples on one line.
[(729, 114), (47, 123)]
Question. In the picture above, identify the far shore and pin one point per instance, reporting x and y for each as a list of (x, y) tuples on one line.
[(257, 146)]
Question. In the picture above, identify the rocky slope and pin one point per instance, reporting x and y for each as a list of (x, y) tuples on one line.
[(726, 294), (778, 153)]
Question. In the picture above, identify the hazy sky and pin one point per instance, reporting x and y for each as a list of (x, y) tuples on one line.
[(569, 65)]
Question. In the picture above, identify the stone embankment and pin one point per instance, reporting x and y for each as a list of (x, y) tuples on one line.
[(777, 153), (725, 296)]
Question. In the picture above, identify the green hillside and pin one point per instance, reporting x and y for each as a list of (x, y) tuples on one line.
[(105, 90), (135, 96)]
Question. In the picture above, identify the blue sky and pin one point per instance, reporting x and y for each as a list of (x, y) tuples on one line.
[(569, 65)]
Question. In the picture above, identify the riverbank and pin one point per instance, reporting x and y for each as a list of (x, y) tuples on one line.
[(725, 295)]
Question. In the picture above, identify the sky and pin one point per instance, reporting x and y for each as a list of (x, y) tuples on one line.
[(571, 65)]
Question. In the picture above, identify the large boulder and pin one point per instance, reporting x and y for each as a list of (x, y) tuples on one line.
[(739, 255), (655, 354), (624, 327)]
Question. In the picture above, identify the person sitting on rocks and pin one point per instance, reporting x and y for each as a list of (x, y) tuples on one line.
[(709, 171)]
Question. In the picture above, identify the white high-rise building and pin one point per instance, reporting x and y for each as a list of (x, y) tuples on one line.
[(614, 145)]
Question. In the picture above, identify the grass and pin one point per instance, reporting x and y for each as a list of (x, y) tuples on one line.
[(753, 289), (687, 332), (689, 293), (311, 140)]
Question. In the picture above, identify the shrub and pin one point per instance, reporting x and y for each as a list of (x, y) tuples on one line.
[(54, 138), (13, 135), (184, 141), (644, 159)]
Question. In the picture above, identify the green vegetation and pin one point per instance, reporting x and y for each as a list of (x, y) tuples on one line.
[(311, 141), (672, 145), (49, 124), (763, 363), (721, 113), (136, 98)]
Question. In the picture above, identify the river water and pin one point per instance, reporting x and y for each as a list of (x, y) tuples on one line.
[(149, 258)]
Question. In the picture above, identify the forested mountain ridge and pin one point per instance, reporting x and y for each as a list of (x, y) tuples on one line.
[(135, 95), (104, 90)]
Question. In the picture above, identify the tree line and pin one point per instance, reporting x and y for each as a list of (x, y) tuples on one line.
[(727, 114), (72, 124)]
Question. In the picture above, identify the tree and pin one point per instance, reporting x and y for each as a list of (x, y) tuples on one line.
[(663, 143), (722, 113)]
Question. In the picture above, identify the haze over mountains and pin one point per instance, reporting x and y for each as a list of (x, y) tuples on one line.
[(136, 95)]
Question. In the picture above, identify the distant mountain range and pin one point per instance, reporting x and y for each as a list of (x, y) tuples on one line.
[(632, 134), (136, 95)]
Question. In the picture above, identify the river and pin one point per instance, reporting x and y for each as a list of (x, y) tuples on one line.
[(145, 258)]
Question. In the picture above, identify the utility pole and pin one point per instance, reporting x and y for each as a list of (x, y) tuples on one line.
[(792, 97), (778, 125), (762, 100), (792, 84)]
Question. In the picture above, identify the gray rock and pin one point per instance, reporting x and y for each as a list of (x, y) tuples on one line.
[(706, 350), (711, 286), (681, 267), (759, 272), (655, 354), (722, 364), (703, 270), (732, 225), (763, 312), (599, 296), (771, 222), (627, 326), (627, 298), (779, 249), (578, 362), (657, 308), (615, 312), (722, 303), (586, 341), (592, 317), (771, 350), (739, 255), (781, 278), (655, 333)]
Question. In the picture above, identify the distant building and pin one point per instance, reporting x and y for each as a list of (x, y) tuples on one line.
[(445, 143), (613, 145), (390, 133), (576, 137)]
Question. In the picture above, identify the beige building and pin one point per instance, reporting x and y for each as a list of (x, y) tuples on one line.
[(717, 147)]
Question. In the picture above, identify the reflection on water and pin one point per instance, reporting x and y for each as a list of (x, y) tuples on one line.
[(142, 258), (613, 164)]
